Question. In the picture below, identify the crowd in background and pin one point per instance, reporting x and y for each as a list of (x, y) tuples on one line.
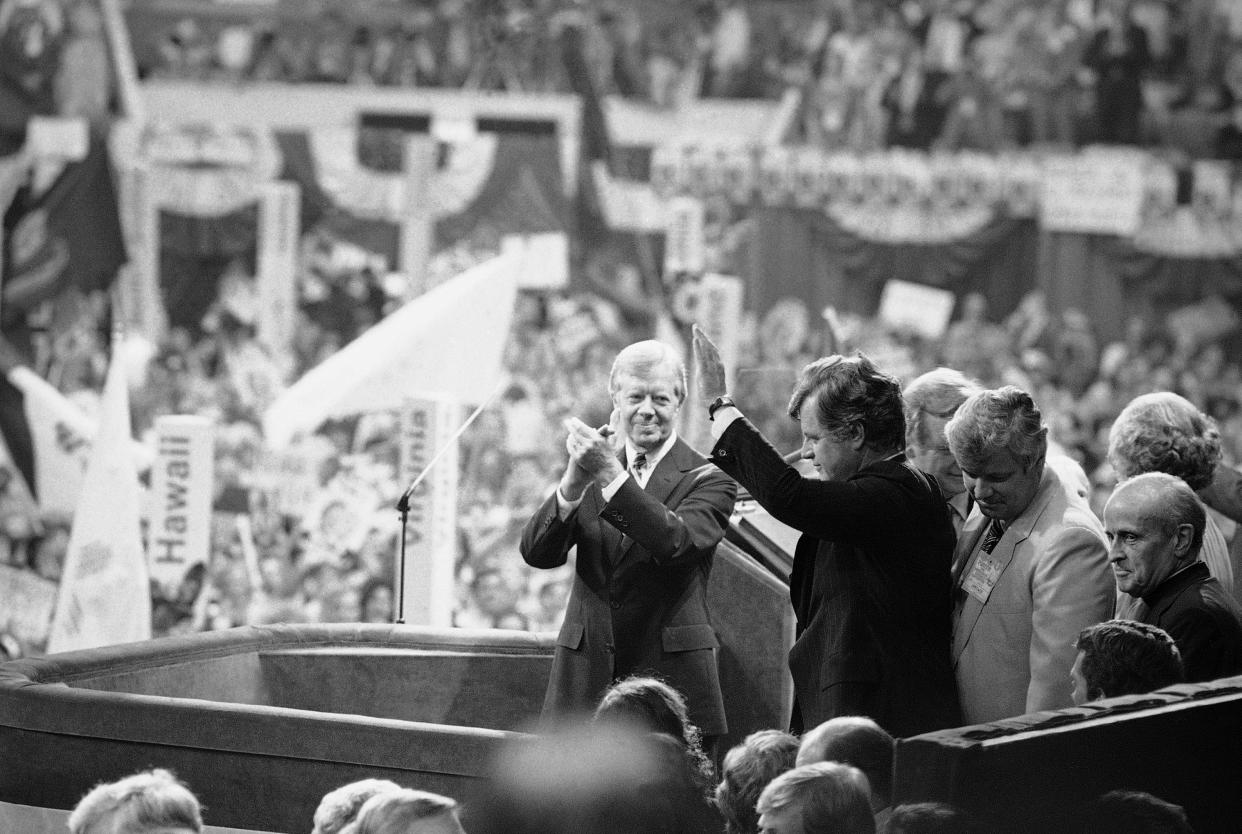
[(332, 559), (944, 74)]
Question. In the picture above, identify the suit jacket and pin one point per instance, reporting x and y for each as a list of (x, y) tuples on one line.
[(1204, 621), (870, 586), (1012, 655), (639, 598)]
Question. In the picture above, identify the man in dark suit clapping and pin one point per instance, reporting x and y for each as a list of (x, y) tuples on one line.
[(646, 519)]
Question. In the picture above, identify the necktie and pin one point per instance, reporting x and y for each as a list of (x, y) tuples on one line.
[(992, 535), (639, 464)]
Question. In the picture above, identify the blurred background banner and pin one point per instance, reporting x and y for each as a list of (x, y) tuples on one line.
[(449, 340)]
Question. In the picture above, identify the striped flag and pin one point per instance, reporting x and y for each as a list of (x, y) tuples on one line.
[(105, 594)]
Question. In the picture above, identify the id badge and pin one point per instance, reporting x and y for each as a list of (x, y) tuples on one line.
[(983, 577)]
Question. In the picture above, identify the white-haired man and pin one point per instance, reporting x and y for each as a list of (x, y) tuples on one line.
[(646, 521)]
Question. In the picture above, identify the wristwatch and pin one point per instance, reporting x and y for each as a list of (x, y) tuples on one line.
[(717, 404)]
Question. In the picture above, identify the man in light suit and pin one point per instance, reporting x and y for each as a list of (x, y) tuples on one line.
[(1031, 566), (646, 519)]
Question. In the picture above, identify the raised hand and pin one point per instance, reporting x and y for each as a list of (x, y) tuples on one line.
[(709, 370)]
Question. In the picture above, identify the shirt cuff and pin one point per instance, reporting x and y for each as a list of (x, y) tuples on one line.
[(724, 418), (564, 507), (614, 486)]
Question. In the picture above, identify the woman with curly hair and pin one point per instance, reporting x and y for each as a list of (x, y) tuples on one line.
[(651, 705), (1165, 432)]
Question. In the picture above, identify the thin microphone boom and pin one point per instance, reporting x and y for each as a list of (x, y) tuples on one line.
[(403, 503)]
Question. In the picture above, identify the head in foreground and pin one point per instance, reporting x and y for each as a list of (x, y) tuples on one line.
[(148, 802)]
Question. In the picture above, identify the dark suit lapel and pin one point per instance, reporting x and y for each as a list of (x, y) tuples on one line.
[(669, 472), (664, 477)]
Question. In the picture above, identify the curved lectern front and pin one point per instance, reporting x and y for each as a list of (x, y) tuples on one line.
[(261, 722)]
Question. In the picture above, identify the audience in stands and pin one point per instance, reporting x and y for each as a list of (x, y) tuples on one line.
[(923, 74), (1124, 657), (818, 798), (340, 807), (149, 802), (860, 742), (746, 771), (1155, 523), (1031, 568)]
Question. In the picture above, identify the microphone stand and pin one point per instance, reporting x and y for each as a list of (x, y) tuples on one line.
[(403, 503)]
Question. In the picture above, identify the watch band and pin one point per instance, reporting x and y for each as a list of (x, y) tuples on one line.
[(717, 404)]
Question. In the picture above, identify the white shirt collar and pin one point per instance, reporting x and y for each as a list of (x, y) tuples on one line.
[(654, 457)]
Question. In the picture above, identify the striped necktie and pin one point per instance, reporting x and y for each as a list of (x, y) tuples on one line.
[(992, 535), (639, 465)]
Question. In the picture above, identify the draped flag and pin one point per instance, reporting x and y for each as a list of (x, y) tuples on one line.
[(66, 236), (449, 340), (105, 594)]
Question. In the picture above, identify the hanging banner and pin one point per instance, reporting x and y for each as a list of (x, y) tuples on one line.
[(279, 232), (685, 249), (1093, 193), (427, 424), (179, 530), (142, 308), (417, 222)]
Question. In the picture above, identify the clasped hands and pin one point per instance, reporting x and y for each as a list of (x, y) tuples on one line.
[(592, 456)]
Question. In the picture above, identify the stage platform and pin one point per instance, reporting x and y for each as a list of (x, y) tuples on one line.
[(261, 722)]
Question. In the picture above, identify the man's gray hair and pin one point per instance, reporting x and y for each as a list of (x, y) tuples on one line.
[(392, 812), (150, 800), (339, 807), (939, 392), (644, 358), (1164, 432), (994, 419), (831, 795)]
